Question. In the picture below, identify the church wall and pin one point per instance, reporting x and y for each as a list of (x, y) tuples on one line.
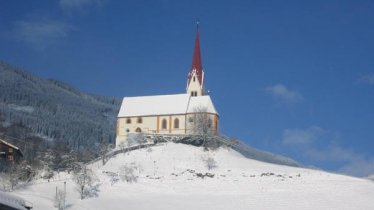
[(145, 124), (149, 124), (170, 124)]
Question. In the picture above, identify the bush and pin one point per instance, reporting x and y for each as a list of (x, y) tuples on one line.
[(210, 163)]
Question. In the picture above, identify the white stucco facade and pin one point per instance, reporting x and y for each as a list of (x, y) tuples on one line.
[(164, 114)]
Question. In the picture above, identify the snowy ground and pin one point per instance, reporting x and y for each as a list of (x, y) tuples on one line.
[(167, 180)]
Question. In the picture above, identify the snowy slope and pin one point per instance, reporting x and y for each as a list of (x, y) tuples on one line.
[(54, 109), (167, 180), (12, 201)]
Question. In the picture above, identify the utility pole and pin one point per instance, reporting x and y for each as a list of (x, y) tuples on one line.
[(57, 200), (64, 195), (154, 168)]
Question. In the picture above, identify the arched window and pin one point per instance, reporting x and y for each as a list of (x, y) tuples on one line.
[(128, 120), (138, 130), (140, 120), (164, 124), (176, 123), (194, 78)]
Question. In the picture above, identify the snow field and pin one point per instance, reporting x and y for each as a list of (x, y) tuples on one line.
[(167, 178)]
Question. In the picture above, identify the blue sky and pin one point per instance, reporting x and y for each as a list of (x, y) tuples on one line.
[(291, 77)]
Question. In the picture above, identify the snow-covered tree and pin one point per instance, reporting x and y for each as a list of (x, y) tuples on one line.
[(202, 122), (134, 139), (17, 173), (55, 110), (84, 178), (113, 177), (127, 173), (203, 131), (104, 149)]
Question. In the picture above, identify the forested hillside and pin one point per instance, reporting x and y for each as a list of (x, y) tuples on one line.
[(55, 110)]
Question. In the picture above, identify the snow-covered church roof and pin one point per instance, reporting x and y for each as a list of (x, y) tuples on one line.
[(165, 105)]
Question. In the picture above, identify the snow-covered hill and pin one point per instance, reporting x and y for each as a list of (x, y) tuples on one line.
[(54, 109), (169, 176)]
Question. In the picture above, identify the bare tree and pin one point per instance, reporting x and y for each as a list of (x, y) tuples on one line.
[(127, 173), (84, 178), (104, 149), (18, 173), (202, 122), (202, 128), (13, 177), (134, 139), (210, 163), (114, 178)]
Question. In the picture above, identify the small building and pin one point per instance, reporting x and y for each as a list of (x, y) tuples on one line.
[(9, 152), (173, 114)]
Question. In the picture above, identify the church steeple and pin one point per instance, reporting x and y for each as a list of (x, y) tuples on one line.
[(195, 82)]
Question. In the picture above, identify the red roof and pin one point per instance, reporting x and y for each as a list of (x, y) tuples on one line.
[(196, 59)]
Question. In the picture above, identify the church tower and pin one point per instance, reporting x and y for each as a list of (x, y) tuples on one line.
[(195, 81)]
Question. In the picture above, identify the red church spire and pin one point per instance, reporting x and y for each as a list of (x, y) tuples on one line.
[(196, 58)]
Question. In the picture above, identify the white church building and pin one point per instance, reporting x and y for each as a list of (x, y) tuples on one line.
[(169, 114)]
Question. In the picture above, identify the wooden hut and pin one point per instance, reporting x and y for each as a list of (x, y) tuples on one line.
[(9, 152)]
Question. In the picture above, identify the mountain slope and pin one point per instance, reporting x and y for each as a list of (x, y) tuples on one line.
[(169, 177), (256, 154), (54, 109)]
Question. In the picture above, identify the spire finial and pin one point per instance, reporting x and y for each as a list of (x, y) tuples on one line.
[(197, 24)]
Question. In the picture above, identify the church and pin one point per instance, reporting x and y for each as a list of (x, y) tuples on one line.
[(176, 114)]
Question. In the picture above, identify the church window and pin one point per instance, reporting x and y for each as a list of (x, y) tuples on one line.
[(140, 120), (164, 124), (138, 130), (209, 123), (176, 123), (127, 130), (193, 93), (194, 78), (190, 119), (128, 120)]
